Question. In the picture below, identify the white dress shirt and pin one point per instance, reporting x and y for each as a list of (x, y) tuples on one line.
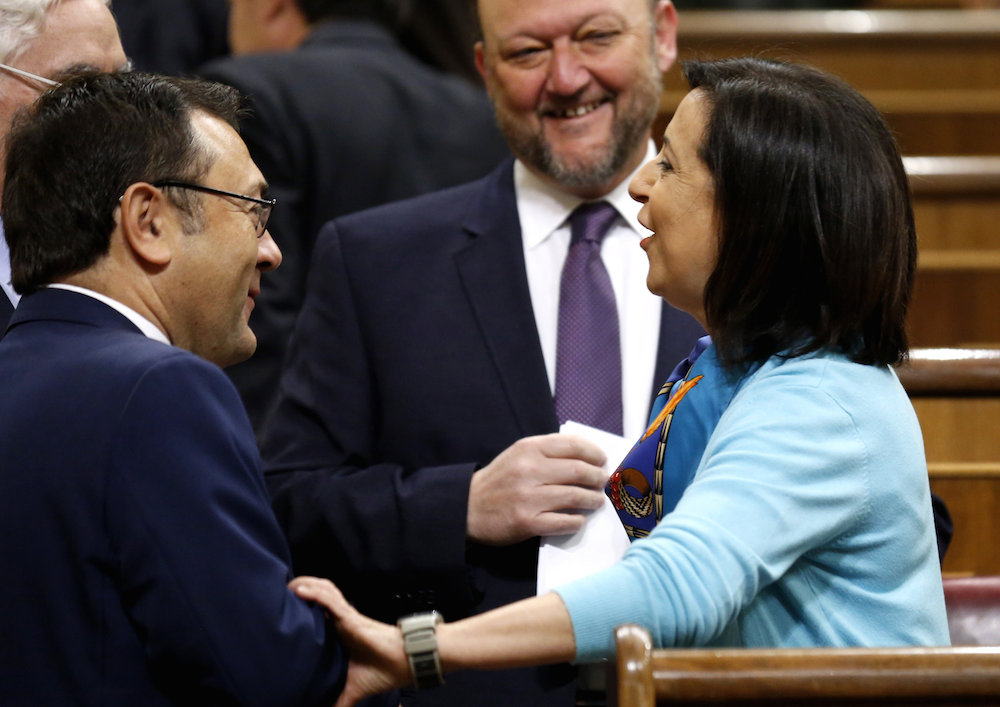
[(544, 212)]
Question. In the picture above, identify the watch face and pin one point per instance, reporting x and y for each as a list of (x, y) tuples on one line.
[(426, 671)]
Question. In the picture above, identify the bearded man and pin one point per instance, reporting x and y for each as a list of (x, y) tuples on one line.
[(413, 455)]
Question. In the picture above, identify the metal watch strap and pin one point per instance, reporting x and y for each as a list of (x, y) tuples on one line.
[(420, 645)]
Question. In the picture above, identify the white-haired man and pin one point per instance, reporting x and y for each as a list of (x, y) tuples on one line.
[(38, 40)]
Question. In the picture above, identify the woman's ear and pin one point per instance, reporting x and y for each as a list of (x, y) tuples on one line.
[(147, 218)]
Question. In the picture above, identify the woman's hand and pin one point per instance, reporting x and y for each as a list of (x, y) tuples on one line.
[(534, 631), (377, 662)]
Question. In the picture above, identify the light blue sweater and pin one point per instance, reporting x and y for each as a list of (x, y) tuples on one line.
[(808, 523)]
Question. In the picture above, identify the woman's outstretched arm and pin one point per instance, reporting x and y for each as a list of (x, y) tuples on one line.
[(529, 632)]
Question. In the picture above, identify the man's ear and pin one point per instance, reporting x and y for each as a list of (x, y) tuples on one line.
[(146, 221), (665, 24), (285, 23), (269, 9), (481, 62)]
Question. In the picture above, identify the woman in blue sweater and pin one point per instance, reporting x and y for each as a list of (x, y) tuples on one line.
[(780, 219)]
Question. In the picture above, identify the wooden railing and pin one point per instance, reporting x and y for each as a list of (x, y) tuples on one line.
[(951, 373), (951, 175), (643, 677)]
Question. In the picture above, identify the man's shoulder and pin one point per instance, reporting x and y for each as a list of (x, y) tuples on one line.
[(109, 365), (134, 358), (157, 379), (244, 69), (329, 61), (88, 335), (144, 352), (141, 359)]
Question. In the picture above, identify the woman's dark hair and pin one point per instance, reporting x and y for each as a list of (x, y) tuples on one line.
[(817, 246), (75, 151)]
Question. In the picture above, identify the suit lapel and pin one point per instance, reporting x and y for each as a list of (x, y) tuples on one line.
[(6, 309), (491, 269)]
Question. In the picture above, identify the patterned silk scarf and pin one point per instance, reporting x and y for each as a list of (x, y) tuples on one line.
[(654, 474)]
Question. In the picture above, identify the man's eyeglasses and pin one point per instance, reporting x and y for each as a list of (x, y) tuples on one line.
[(28, 75), (261, 211)]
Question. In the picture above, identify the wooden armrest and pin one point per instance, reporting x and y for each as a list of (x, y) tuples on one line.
[(951, 372), (953, 175), (940, 675)]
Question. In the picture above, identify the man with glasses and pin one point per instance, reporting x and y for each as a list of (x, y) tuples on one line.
[(419, 455), (38, 40), (141, 562)]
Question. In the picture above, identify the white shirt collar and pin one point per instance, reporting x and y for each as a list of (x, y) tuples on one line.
[(144, 325), (543, 208)]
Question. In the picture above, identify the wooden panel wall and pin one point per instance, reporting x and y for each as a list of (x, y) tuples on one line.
[(933, 73), (962, 443)]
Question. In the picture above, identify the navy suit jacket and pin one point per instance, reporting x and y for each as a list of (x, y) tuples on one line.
[(415, 361), (6, 309), (140, 561)]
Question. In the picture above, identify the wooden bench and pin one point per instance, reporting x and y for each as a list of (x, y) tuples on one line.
[(931, 72), (956, 394), (643, 677)]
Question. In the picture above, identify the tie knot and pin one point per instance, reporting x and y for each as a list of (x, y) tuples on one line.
[(590, 221)]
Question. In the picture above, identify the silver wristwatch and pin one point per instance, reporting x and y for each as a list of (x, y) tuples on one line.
[(420, 644)]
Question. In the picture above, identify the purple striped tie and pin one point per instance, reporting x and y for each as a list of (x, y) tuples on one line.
[(588, 351)]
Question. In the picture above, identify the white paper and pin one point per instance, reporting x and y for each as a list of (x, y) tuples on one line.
[(602, 540)]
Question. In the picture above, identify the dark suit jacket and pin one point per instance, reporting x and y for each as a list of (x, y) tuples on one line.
[(172, 37), (415, 361), (347, 121), (141, 563), (6, 309)]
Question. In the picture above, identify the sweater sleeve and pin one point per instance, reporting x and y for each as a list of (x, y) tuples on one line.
[(764, 494)]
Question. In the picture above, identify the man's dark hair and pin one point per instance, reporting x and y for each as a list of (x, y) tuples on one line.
[(817, 246), (74, 153)]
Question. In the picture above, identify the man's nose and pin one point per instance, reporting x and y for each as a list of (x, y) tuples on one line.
[(568, 73), (268, 253)]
